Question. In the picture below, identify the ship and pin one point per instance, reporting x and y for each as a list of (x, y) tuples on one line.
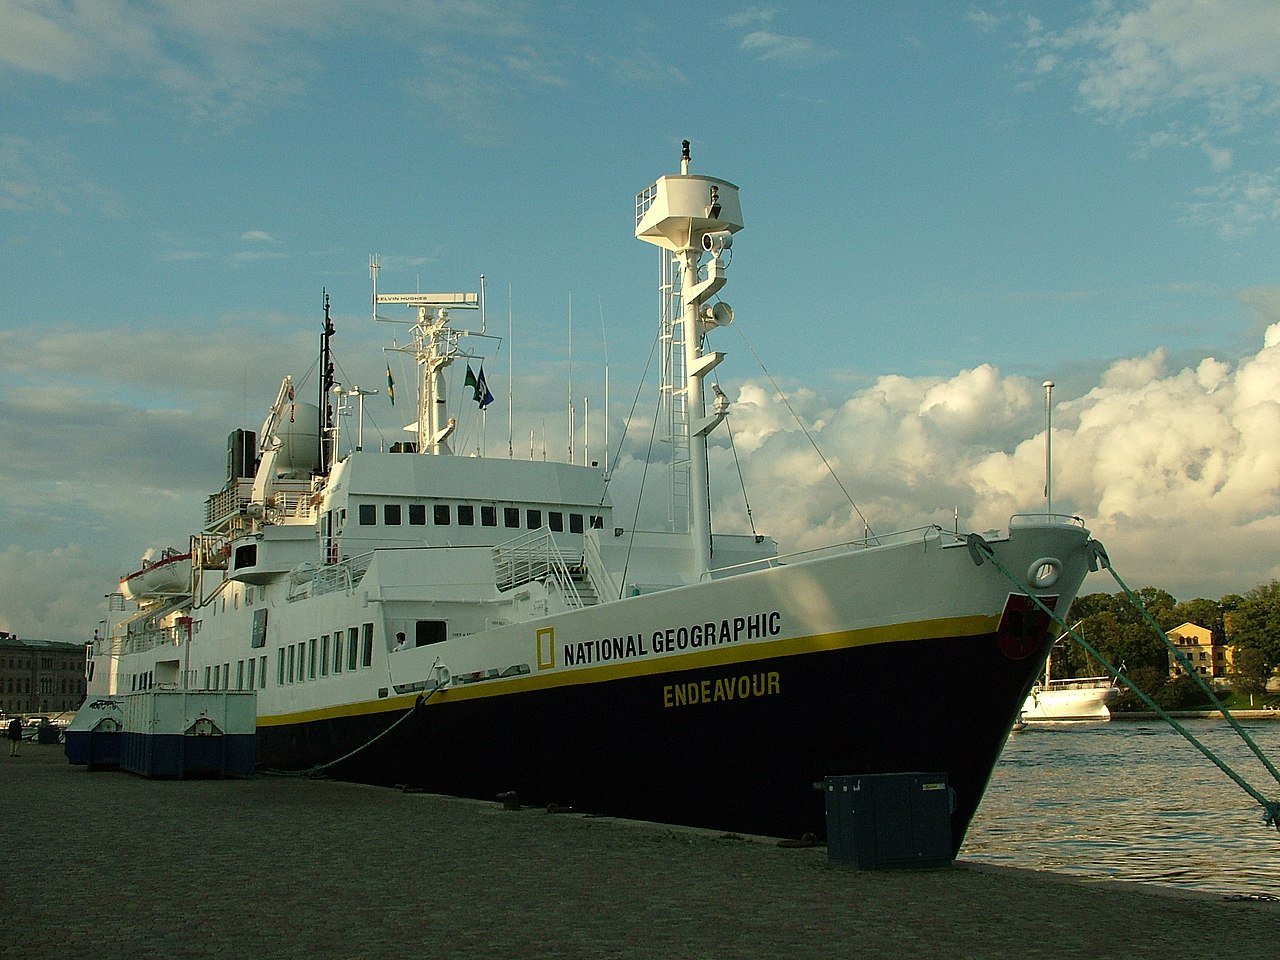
[(1070, 700), (482, 626)]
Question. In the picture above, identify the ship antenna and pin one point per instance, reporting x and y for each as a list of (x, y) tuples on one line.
[(1048, 446), (571, 376), (511, 452), (326, 386)]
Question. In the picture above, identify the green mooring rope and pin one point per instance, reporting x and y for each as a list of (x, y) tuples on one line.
[(980, 549)]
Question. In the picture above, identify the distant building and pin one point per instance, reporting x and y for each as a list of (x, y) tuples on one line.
[(1206, 653), (40, 676)]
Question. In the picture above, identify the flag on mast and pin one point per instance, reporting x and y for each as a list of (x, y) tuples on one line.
[(391, 386), (479, 389)]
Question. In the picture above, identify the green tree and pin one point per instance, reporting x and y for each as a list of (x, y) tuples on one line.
[(1249, 672), (1201, 612), (1254, 623), (1118, 631)]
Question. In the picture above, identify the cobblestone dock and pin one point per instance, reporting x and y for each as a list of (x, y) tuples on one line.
[(107, 865)]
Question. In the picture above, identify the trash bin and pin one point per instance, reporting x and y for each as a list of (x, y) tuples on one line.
[(886, 820)]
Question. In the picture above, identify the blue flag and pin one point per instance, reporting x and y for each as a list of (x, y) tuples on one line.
[(479, 389), (483, 396)]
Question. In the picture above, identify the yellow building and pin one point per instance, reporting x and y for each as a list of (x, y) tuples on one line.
[(1197, 644)]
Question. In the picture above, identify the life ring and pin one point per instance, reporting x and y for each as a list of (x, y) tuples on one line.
[(1044, 573)]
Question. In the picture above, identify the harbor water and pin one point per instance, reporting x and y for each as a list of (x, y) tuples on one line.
[(1135, 801)]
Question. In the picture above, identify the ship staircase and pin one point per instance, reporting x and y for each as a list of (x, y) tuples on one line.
[(535, 556)]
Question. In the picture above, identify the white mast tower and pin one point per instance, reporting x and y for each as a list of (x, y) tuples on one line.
[(435, 345), (690, 216)]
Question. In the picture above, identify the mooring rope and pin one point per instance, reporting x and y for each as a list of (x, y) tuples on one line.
[(319, 768), (980, 550)]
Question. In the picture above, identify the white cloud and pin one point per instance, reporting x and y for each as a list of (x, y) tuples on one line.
[(767, 45), (43, 177), (1218, 54), (257, 236), (1162, 463)]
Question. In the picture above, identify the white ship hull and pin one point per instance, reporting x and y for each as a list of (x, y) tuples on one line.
[(1085, 702)]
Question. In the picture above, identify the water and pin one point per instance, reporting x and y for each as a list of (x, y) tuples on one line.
[(1133, 801)]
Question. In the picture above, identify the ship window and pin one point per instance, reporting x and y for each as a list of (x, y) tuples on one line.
[(510, 516), (279, 667), (489, 516), (368, 515), (466, 515), (533, 519), (555, 520), (226, 676), (391, 514), (262, 672), (208, 671), (253, 663), (431, 631), (368, 644), (440, 514), (239, 674), (259, 636), (324, 655), (337, 652), (575, 523), (353, 649), (311, 658), (246, 556), (597, 522), (293, 653), (417, 514), (217, 676)]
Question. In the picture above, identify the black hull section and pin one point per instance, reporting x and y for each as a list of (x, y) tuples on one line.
[(625, 747)]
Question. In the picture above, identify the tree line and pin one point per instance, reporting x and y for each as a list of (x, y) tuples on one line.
[(1249, 622)]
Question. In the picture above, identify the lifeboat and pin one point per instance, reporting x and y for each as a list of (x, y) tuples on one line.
[(163, 577)]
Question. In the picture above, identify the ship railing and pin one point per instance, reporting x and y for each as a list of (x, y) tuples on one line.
[(602, 581), (227, 503), (914, 535), (1040, 519), (345, 575), (535, 556), (291, 499)]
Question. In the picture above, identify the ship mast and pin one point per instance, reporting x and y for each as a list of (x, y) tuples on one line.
[(435, 346), (691, 216)]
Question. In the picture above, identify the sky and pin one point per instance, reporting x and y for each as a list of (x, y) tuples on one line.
[(945, 205)]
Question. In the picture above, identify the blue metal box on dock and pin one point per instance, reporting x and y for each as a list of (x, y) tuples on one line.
[(889, 820), (190, 733)]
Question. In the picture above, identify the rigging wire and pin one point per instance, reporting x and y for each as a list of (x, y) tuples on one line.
[(738, 463), (865, 525)]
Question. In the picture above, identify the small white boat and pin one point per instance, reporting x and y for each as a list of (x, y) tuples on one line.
[(1074, 699)]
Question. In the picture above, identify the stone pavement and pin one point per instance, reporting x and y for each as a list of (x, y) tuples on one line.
[(107, 865)]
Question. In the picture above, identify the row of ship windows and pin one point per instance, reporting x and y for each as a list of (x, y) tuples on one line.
[(464, 515), (305, 660), (310, 660)]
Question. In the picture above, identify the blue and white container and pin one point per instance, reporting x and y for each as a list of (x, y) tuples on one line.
[(189, 733)]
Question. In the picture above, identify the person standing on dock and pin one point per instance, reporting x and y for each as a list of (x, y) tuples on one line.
[(15, 735)]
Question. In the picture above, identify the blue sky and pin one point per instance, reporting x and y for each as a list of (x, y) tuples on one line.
[(945, 204)]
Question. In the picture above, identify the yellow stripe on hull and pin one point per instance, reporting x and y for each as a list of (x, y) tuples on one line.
[(846, 639)]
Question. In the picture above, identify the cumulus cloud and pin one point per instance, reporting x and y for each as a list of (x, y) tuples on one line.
[(1176, 469)]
